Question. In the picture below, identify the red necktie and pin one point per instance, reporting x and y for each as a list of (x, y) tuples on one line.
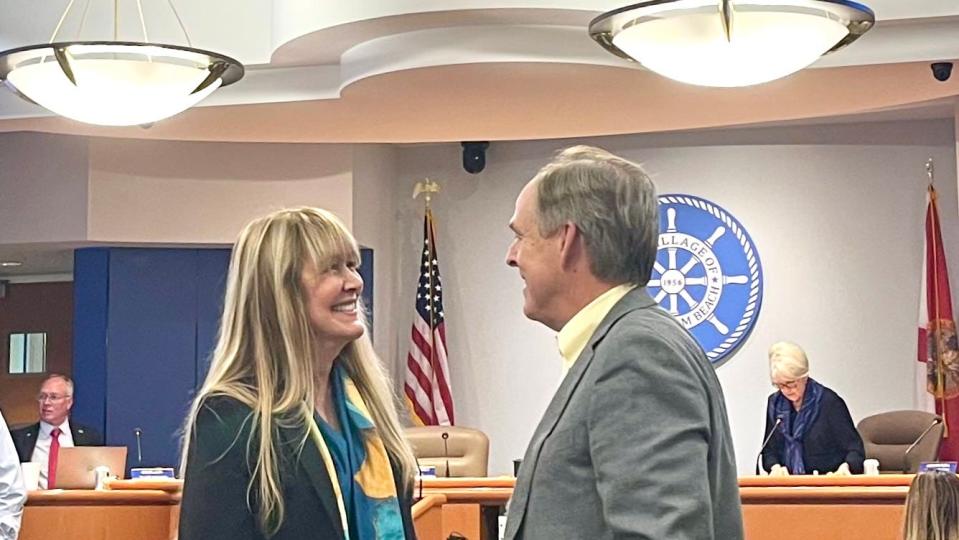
[(52, 461)]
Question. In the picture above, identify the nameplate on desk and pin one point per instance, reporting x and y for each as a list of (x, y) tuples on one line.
[(150, 473), (944, 466)]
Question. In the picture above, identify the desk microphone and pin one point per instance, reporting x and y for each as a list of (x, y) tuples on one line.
[(419, 476), (446, 452), (935, 422), (138, 432), (759, 467)]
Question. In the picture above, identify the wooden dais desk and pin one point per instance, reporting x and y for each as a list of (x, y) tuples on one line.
[(130, 510), (826, 507), (799, 507)]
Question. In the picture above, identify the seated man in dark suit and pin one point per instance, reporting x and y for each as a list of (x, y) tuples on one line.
[(41, 442)]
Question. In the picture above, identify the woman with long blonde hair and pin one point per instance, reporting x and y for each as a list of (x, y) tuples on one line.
[(294, 433), (932, 507)]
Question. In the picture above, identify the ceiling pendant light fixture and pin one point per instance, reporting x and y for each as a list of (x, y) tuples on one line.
[(116, 83), (730, 42)]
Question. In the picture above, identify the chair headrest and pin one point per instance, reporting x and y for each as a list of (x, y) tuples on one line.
[(895, 427)]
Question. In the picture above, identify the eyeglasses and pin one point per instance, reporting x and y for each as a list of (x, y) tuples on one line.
[(791, 385), (52, 398)]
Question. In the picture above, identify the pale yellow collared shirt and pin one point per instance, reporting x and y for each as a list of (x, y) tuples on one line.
[(575, 334)]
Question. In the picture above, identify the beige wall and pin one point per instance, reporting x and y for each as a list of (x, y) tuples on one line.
[(43, 188), (374, 207), (70, 190), (176, 192)]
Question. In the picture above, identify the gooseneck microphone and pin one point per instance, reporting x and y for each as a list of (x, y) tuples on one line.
[(138, 432), (419, 476), (905, 455), (759, 467), (446, 452)]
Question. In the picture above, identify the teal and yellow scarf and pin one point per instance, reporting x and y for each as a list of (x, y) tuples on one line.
[(358, 465)]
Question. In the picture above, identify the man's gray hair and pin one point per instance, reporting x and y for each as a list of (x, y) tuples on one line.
[(67, 380), (613, 204)]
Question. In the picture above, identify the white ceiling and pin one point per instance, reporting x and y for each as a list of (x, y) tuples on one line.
[(356, 69)]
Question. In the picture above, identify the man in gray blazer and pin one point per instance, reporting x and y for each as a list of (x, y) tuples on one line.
[(635, 443)]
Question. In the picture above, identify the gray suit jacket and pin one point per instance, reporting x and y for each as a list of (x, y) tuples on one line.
[(635, 443)]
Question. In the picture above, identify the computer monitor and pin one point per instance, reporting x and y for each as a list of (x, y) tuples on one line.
[(76, 466)]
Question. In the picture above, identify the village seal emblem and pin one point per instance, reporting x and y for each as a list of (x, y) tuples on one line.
[(707, 273)]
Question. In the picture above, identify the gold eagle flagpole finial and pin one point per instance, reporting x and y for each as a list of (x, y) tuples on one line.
[(426, 187)]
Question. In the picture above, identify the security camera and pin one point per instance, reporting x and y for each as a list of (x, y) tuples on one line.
[(941, 70), (474, 156)]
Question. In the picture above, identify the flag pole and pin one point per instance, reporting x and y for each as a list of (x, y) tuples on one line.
[(940, 366), (428, 188)]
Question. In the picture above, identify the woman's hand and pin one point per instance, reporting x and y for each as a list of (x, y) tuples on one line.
[(778, 470), (843, 470)]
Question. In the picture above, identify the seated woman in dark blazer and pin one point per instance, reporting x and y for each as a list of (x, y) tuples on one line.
[(810, 424), (294, 434)]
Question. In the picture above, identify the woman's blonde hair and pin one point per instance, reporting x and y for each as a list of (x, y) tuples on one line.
[(787, 360), (932, 507), (266, 348)]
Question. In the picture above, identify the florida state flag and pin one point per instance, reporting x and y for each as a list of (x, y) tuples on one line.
[(938, 348)]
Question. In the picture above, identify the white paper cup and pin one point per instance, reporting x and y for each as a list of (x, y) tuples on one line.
[(871, 467), (31, 475)]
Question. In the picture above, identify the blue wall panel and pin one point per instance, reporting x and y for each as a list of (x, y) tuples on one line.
[(212, 265), (145, 323), (91, 267), (151, 358)]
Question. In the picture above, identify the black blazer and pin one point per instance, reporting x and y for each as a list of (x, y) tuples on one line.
[(831, 440), (25, 438), (214, 502)]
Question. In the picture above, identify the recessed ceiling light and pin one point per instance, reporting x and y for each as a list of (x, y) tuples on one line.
[(10, 264)]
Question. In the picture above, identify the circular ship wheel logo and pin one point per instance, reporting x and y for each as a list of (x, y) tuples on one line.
[(707, 273)]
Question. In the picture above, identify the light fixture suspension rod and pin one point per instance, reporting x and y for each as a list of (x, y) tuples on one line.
[(180, 22), (60, 23), (143, 24), (116, 21), (83, 20)]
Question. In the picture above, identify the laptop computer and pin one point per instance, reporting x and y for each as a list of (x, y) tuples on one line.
[(76, 466)]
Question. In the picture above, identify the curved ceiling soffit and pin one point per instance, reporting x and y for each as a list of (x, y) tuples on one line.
[(533, 101), (293, 19), (558, 100), (341, 25), (500, 44)]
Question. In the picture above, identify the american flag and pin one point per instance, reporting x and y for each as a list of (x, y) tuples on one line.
[(427, 385)]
